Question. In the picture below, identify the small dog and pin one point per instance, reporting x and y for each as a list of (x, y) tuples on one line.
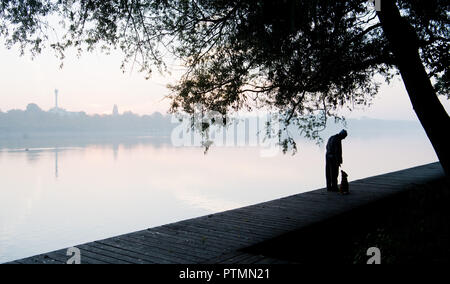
[(343, 188)]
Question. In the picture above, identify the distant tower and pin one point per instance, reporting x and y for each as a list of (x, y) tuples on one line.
[(56, 99), (115, 110)]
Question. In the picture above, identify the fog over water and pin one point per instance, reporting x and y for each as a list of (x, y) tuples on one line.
[(62, 189)]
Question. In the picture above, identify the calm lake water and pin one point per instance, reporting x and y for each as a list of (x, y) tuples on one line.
[(56, 193)]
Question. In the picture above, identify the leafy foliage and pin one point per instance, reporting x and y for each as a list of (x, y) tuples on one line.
[(304, 60)]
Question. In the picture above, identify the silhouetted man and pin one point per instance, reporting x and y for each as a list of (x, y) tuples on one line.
[(334, 159)]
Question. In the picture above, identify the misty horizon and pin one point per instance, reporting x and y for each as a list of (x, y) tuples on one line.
[(33, 119)]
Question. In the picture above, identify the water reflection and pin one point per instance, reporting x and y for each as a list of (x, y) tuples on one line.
[(70, 190), (32, 155), (56, 163), (115, 150)]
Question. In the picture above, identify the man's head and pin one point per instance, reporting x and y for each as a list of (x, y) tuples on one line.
[(343, 134)]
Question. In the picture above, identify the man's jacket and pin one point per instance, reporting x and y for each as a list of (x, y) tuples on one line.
[(334, 148)]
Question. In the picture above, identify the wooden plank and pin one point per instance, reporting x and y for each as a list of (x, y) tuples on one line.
[(41, 259), (168, 250), (266, 260), (217, 243), (388, 183), (200, 253), (375, 188), (232, 230), (108, 256), (273, 217), (60, 255), (185, 231), (160, 255), (99, 258), (364, 196), (219, 235), (329, 204), (262, 228), (283, 261), (373, 191), (163, 252), (189, 242), (236, 259), (136, 255), (235, 224), (306, 211), (333, 198), (392, 182), (85, 258), (210, 244), (150, 256), (308, 205), (251, 224), (252, 259), (302, 209), (406, 178), (209, 248), (115, 253), (223, 257), (215, 231)]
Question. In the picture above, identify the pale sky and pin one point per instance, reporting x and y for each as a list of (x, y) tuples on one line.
[(92, 83), (95, 82)]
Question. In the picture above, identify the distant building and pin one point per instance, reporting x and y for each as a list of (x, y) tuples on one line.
[(56, 98), (115, 111), (56, 109)]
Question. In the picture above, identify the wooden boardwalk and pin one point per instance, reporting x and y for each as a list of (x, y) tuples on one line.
[(221, 237)]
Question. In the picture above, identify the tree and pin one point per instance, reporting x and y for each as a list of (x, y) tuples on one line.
[(305, 60), (33, 108)]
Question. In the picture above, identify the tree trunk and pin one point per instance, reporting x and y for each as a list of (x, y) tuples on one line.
[(403, 43)]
